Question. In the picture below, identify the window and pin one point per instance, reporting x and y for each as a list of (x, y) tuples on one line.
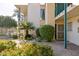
[(70, 26), (42, 14)]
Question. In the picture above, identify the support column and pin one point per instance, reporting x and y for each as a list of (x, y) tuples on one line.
[(34, 14), (50, 14), (46, 17), (65, 25)]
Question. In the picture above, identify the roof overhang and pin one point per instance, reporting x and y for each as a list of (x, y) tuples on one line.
[(71, 12)]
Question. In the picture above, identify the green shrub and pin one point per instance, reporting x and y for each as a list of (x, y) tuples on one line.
[(10, 52), (28, 49), (9, 44), (2, 34), (4, 44), (37, 32), (47, 32), (2, 47), (32, 49), (14, 36)]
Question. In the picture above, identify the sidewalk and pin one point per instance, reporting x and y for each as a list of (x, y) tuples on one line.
[(58, 47)]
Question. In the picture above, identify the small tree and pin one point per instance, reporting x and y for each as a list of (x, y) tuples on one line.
[(27, 26), (37, 32)]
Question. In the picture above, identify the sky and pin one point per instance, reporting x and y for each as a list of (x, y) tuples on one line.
[(7, 6), (7, 9)]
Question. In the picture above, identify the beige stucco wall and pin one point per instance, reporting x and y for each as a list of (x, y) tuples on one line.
[(50, 13)]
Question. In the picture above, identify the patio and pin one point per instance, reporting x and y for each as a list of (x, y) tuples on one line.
[(58, 47)]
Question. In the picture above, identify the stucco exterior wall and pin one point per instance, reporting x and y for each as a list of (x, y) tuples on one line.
[(42, 22), (50, 14), (73, 36), (34, 14)]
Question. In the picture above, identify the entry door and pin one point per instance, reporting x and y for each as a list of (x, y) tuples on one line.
[(60, 32)]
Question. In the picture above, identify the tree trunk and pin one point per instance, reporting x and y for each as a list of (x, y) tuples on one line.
[(26, 32)]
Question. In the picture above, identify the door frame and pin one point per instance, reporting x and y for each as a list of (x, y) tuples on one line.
[(56, 32)]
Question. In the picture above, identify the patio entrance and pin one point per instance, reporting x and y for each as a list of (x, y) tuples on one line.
[(59, 31)]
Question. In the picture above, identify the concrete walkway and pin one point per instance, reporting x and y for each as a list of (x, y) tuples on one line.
[(5, 37), (58, 47)]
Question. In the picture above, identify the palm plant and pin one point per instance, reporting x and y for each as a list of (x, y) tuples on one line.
[(27, 26)]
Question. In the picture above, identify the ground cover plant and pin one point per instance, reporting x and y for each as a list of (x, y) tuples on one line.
[(8, 48)]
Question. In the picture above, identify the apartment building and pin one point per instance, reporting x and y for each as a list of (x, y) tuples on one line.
[(31, 13), (53, 14), (72, 22)]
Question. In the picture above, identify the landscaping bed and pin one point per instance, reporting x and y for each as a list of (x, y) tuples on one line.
[(9, 48)]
